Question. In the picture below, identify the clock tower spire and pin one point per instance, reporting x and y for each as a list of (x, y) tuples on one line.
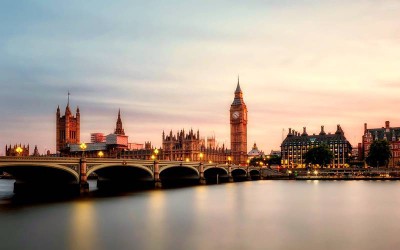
[(238, 121)]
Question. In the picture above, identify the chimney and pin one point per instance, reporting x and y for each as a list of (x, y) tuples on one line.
[(290, 131), (365, 128), (304, 132)]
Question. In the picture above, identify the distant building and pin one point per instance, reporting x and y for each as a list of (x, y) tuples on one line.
[(135, 146), (67, 128), (17, 150), (255, 153), (188, 146), (111, 146), (391, 134), (97, 137), (296, 145), (275, 153), (36, 152), (140, 153)]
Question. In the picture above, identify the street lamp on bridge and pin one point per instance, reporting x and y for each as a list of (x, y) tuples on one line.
[(19, 150), (83, 146)]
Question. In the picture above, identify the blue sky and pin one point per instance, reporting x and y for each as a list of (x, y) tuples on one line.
[(174, 64)]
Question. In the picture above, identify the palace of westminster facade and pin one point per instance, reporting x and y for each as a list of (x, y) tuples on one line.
[(182, 146)]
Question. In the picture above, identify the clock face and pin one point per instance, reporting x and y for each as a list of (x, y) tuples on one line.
[(235, 115)]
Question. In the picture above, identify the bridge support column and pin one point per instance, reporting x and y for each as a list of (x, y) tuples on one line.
[(230, 178), (83, 184), (248, 174), (157, 180), (202, 180)]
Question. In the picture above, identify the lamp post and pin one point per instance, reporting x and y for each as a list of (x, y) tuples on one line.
[(201, 169), (229, 160), (156, 153), (100, 154), (157, 180), (84, 185), (83, 146)]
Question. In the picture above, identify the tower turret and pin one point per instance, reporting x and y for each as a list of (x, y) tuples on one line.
[(118, 128), (238, 121)]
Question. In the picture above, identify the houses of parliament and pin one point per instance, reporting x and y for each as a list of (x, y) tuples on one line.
[(182, 146)]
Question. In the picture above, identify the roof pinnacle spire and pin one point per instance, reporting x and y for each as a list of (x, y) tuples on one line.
[(238, 89), (68, 98)]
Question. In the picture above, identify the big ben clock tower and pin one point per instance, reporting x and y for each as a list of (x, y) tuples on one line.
[(238, 119)]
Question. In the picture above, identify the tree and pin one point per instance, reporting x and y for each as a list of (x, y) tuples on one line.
[(266, 161), (379, 153), (320, 155)]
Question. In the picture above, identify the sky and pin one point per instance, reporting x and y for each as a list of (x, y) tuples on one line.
[(171, 65)]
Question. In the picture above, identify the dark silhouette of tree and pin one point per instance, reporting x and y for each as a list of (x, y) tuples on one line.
[(266, 161), (379, 154), (320, 155)]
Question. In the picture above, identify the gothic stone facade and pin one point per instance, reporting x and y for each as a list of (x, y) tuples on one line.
[(67, 128), (188, 146), (238, 121)]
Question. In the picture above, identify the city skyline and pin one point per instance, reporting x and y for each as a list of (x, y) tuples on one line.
[(301, 64)]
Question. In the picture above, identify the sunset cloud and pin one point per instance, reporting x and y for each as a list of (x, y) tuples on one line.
[(173, 65)]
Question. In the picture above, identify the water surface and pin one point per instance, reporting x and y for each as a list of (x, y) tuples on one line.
[(249, 215)]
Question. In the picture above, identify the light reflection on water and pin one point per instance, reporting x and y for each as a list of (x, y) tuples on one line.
[(249, 215)]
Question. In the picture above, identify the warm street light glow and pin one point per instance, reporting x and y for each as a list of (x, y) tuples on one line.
[(100, 154), (315, 172), (156, 151), (19, 150), (83, 146), (187, 159), (210, 162), (229, 158), (201, 156), (153, 157)]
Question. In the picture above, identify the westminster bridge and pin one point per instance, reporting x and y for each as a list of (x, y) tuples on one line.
[(57, 173)]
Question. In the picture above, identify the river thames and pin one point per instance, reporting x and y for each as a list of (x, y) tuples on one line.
[(247, 215)]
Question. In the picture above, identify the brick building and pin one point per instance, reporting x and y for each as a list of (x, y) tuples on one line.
[(391, 134)]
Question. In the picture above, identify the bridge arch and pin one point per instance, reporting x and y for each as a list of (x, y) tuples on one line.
[(162, 169), (238, 172), (112, 165), (254, 172), (28, 171), (209, 168)]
